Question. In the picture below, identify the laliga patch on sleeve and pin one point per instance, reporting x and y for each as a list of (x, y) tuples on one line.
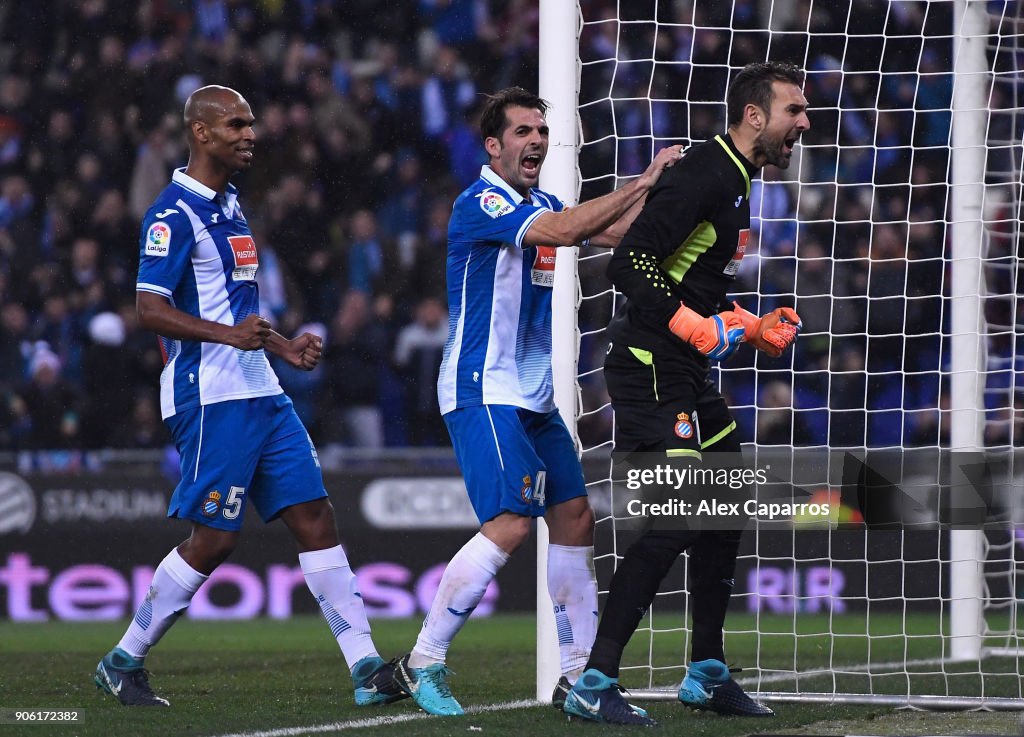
[(494, 205), (158, 239)]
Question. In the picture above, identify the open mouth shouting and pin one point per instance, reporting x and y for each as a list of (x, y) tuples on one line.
[(530, 165)]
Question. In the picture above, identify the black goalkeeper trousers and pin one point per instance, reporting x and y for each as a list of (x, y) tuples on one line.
[(647, 561)]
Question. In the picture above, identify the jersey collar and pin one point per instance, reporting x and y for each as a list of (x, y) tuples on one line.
[(196, 187), (746, 168), (491, 177)]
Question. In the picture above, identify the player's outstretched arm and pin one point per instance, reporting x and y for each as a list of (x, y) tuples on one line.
[(158, 315), (611, 236), (576, 224), (302, 351)]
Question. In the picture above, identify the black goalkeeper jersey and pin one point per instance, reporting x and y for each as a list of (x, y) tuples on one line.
[(684, 246)]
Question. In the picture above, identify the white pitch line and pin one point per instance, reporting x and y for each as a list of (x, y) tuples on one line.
[(380, 721), (862, 669)]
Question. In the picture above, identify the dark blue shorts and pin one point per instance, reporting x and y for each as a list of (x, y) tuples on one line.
[(514, 460), (241, 451)]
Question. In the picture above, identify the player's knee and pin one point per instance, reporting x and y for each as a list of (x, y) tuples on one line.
[(312, 524), (571, 523), (207, 548), (507, 531)]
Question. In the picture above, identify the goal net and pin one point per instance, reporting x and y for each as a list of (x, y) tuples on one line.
[(896, 234)]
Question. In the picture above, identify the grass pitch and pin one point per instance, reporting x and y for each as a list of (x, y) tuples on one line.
[(269, 678)]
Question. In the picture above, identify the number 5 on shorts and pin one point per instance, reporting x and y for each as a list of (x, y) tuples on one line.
[(233, 504)]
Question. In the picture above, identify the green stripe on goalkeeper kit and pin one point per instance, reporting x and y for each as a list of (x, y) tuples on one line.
[(683, 453), (728, 429), (743, 171), (647, 359), (697, 242)]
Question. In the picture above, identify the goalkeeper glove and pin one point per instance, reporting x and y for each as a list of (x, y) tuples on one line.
[(773, 333), (716, 336)]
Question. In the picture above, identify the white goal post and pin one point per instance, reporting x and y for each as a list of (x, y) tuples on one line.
[(919, 620)]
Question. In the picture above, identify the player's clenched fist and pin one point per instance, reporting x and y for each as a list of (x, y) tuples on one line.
[(250, 334), (305, 351), (716, 336), (773, 333)]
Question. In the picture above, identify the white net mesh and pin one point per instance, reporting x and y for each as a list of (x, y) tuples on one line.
[(855, 235)]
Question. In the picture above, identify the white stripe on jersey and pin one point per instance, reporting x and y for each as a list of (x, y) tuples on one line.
[(211, 289), (154, 288), (526, 226), (501, 377), (199, 446), (494, 434)]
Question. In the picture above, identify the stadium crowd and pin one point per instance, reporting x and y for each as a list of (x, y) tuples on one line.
[(365, 135)]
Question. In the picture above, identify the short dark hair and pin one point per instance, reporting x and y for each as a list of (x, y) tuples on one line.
[(492, 118), (753, 84)]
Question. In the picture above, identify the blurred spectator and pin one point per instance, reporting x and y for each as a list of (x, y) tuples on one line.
[(161, 150), (104, 368), (359, 350), (447, 93), (777, 422), (47, 408), (145, 428), (304, 387), (402, 211), (14, 345), (365, 257), (418, 351)]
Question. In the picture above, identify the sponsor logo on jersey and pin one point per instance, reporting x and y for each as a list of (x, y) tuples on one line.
[(243, 247), (158, 239), (741, 248), (543, 272), (494, 205), (684, 427), (211, 504)]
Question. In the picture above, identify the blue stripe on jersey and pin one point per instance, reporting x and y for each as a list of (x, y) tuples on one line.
[(533, 339), (479, 271), (186, 364)]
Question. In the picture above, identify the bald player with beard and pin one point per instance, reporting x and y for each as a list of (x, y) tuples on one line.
[(239, 438)]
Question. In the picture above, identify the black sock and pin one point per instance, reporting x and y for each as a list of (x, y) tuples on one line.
[(712, 567)]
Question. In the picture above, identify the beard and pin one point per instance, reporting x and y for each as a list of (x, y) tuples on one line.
[(771, 150)]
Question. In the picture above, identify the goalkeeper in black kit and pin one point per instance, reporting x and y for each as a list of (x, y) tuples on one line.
[(675, 265)]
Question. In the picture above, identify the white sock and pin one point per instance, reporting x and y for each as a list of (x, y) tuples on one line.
[(334, 586), (174, 584), (462, 587), (572, 585)]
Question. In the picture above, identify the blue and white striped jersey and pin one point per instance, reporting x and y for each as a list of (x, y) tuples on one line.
[(197, 250), (499, 301)]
